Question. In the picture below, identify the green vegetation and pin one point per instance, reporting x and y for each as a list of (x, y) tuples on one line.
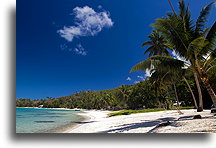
[(193, 44), (138, 96), (128, 112), (186, 107), (190, 77)]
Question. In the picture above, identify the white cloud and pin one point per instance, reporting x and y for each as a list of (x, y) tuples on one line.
[(100, 7), (87, 23), (177, 56), (135, 82), (141, 77), (80, 50), (148, 73), (63, 47), (128, 79), (70, 32)]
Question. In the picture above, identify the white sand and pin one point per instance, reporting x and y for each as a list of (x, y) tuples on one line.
[(99, 122)]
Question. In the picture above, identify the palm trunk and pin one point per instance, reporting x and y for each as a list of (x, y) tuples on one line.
[(210, 90), (176, 95), (205, 81), (195, 102), (168, 94), (200, 108), (177, 99), (156, 92)]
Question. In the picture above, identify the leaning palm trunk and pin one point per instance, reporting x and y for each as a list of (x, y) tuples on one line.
[(176, 95), (178, 106), (195, 102), (200, 108), (208, 86), (210, 91)]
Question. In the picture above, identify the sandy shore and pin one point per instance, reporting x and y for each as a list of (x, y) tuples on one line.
[(99, 122)]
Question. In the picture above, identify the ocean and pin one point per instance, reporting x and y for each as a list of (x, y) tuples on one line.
[(40, 120)]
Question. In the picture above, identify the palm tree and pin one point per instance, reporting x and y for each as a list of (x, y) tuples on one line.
[(166, 70), (157, 44), (170, 77), (156, 84), (190, 89), (123, 95), (189, 41)]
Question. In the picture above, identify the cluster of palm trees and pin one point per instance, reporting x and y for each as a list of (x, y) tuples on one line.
[(178, 45)]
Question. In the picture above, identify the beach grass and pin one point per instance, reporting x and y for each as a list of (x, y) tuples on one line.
[(187, 107), (128, 112)]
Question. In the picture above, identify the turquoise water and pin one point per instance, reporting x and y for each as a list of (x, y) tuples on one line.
[(39, 120)]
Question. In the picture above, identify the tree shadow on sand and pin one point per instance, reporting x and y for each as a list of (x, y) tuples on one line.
[(84, 122), (146, 123)]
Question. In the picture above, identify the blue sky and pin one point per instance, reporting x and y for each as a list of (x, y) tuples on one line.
[(72, 45)]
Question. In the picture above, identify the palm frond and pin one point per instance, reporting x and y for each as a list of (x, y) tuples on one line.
[(185, 17), (211, 37), (157, 44), (160, 63), (213, 54), (142, 66), (150, 49), (175, 35), (211, 68), (210, 41), (209, 63), (167, 61), (202, 19), (195, 48), (147, 43)]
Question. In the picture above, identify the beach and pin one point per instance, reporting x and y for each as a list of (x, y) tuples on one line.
[(98, 121)]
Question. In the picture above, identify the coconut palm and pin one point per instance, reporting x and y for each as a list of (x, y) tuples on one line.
[(189, 41), (165, 78), (123, 95), (166, 70), (157, 44), (162, 80)]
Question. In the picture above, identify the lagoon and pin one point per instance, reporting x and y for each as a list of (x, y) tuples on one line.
[(40, 120)]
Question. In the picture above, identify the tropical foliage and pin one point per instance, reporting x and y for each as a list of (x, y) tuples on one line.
[(193, 44), (138, 96)]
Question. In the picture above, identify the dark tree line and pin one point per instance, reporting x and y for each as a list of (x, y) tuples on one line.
[(144, 94)]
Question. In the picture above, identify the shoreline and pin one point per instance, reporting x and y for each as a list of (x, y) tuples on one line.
[(74, 109), (90, 117), (99, 122), (85, 117), (57, 128), (66, 128)]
